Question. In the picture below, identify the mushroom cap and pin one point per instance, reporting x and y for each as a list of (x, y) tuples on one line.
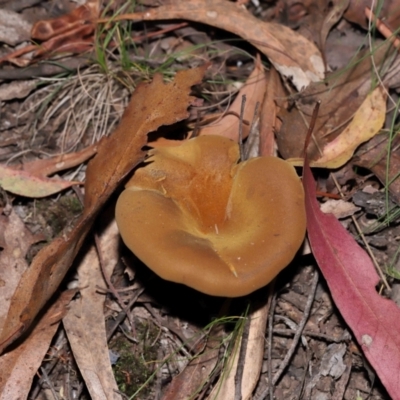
[(196, 216)]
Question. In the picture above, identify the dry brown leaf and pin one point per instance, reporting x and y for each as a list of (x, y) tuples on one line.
[(252, 363), (339, 208), (32, 180), (254, 90), (387, 10), (25, 184), (44, 30), (198, 370), (269, 122), (52, 165), (367, 122), (341, 96), (374, 156), (291, 54), (72, 32), (19, 366), (316, 19), (331, 19), (84, 324), (16, 240), (152, 105)]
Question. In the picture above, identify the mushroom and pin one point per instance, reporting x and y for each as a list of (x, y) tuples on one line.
[(196, 216)]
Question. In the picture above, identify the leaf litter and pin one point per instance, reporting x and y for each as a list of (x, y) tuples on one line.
[(344, 122), (102, 179), (90, 346)]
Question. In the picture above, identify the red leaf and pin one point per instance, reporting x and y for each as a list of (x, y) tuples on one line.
[(351, 277)]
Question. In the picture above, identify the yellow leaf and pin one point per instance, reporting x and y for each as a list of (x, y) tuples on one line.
[(367, 122)]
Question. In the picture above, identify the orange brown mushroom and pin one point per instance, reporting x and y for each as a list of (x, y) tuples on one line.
[(196, 216)]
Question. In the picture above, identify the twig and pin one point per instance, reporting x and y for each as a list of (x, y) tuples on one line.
[(241, 127), (110, 286), (121, 316), (67, 383), (126, 334), (53, 354), (47, 380), (370, 18), (158, 380), (252, 148), (289, 332), (270, 329), (105, 276), (300, 328), (45, 68), (366, 244), (192, 348), (295, 340), (241, 360), (382, 28), (304, 375)]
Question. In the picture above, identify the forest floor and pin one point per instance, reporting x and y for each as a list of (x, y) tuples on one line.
[(82, 317)]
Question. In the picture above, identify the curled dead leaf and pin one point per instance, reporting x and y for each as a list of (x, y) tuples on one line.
[(291, 54), (366, 123), (254, 90), (152, 105)]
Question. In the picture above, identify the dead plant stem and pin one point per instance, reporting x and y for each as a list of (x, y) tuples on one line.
[(367, 246), (296, 338)]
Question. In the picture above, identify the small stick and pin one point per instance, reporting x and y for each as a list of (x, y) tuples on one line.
[(50, 385), (121, 316), (295, 340), (241, 360), (270, 331), (382, 28), (311, 127), (241, 127), (254, 135), (315, 335), (111, 287), (105, 276), (300, 328)]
